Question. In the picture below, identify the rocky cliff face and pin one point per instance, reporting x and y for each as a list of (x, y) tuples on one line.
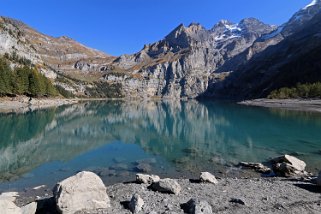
[(182, 64), (294, 58), (294, 24)]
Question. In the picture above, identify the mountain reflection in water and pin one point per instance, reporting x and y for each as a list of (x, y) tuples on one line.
[(117, 138)]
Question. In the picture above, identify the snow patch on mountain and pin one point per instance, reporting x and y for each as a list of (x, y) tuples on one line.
[(233, 27), (314, 2), (273, 34)]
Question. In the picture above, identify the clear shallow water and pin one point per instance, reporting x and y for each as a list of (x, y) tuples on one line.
[(117, 139)]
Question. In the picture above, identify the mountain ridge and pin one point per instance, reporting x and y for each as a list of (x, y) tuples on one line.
[(189, 62)]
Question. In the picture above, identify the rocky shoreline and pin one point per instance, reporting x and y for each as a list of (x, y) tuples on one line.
[(295, 192), (290, 104), (22, 104)]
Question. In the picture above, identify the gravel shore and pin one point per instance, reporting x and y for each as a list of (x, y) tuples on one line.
[(291, 104), (228, 196), (23, 104)]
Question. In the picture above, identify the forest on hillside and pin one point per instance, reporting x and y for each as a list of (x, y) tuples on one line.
[(307, 90), (24, 80)]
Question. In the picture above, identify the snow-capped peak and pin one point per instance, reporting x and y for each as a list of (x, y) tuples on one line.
[(314, 2), (230, 31), (233, 27)]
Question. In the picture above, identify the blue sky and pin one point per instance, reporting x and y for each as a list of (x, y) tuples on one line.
[(124, 26)]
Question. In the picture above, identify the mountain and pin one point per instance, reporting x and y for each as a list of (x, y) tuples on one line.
[(295, 58), (57, 58), (280, 33), (231, 60), (181, 64)]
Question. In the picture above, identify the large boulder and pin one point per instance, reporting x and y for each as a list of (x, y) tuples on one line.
[(8, 207), (29, 208), (167, 185), (288, 166), (83, 191)]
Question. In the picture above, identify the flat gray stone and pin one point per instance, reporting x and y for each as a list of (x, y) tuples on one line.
[(167, 185)]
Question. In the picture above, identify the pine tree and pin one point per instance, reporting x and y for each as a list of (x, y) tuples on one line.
[(34, 84), (21, 83), (6, 78)]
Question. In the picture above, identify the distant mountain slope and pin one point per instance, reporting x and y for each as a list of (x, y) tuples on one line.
[(295, 59), (16, 36), (281, 32), (61, 59)]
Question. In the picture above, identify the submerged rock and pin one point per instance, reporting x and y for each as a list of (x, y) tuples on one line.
[(147, 179), (136, 204), (318, 180), (83, 191), (258, 167), (167, 185), (288, 166), (143, 167), (195, 206), (207, 177)]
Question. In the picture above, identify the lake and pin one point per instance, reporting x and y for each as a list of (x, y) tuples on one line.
[(117, 139)]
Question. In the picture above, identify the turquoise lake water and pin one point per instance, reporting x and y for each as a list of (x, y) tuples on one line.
[(117, 139)]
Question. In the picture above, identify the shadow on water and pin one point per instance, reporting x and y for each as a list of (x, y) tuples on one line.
[(173, 136)]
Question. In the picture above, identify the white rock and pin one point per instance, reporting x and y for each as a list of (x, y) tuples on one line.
[(167, 185), (8, 207), (39, 187), (147, 179), (9, 196), (207, 177), (29, 208), (136, 204), (83, 191)]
